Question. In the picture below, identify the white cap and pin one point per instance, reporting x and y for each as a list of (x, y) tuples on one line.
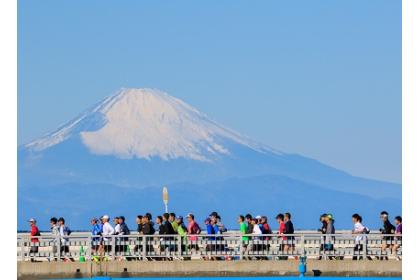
[(32, 220), (105, 217), (258, 217)]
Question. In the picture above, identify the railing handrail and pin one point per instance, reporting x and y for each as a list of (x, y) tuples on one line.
[(219, 235)]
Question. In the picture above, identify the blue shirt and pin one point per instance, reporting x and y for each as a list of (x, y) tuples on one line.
[(210, 231), (96, 230)]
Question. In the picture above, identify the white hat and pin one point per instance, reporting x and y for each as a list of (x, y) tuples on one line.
[(32, 220), (105, 217), (258, 217)]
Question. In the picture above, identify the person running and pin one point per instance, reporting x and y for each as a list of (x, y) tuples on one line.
[(159, 224), (107, 232), (167, 229), (64, 233), (193, 230), (182, 231), (398, 238), (117, 229), (288, 229), (150, 218), (34, 238), (266, 229), (248, 219), (256, 236), (360, 231), (55, 232), (139, 222), (210, 228), (174, 224), (258, 217), (148, 230), (323, 231), (124, 231), (282, 231), (330, 230), (256, 230), (243, 228), (218, 220), (96, 232), (167, 226), (387, 229)]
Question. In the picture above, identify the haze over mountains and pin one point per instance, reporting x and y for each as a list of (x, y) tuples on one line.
[(115, 157)]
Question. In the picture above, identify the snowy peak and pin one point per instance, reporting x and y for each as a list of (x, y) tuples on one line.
[(146, 123)]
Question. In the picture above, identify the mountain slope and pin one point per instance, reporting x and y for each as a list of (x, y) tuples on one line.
[(140, 138)]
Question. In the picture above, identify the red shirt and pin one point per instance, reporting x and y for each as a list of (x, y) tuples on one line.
[(282, 230), (34, 232), (193, 228)]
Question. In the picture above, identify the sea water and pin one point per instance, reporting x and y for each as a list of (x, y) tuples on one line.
[(243, 278)]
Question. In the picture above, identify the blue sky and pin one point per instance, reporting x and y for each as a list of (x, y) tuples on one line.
[(318, 78)]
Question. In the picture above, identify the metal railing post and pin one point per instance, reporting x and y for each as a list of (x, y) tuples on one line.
[(365, 244), (113, 246), (302, 241), (179, 245), (241, 255), (144, 242), (59, 248), (22, 249), (89, 248)]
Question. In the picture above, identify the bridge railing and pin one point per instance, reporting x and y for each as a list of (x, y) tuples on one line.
[(222, 246)]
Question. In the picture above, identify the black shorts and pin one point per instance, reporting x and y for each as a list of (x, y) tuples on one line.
[(34, 249)]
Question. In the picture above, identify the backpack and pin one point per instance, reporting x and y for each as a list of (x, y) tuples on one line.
[(366, 230)]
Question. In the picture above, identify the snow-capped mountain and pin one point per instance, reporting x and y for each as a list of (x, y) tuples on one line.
[(139, 139), (146, 123)]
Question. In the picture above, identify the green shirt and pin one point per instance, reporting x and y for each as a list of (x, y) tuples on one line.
[(182, 233), (243, 228), (175, 226)]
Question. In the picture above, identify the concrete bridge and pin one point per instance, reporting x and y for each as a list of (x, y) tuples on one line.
[(232, 254)]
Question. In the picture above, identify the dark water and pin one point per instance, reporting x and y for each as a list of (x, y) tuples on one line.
[(246, 278)]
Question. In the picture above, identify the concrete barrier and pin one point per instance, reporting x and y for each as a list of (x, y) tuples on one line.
[(48, 270)]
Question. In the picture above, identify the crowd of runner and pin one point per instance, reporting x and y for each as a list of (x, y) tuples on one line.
[(251, 228)]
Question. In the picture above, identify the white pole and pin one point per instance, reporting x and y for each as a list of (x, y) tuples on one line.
[(165, 196)]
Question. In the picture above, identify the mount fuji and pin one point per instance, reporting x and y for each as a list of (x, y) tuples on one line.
[(115, 157)]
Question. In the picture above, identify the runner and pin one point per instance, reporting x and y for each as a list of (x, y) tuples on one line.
[(398, 238), (107, 232), (289, 229), (34, 240), (359, 230), (64, 233), (96, 232), (387, 229), (193, 230), (55, 231)]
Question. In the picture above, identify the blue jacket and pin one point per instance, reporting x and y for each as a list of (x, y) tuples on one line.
[(97, 230)]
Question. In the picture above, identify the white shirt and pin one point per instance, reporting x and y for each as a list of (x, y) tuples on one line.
[(117, 229), (359, 228), (107, 230), (256, 230)]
